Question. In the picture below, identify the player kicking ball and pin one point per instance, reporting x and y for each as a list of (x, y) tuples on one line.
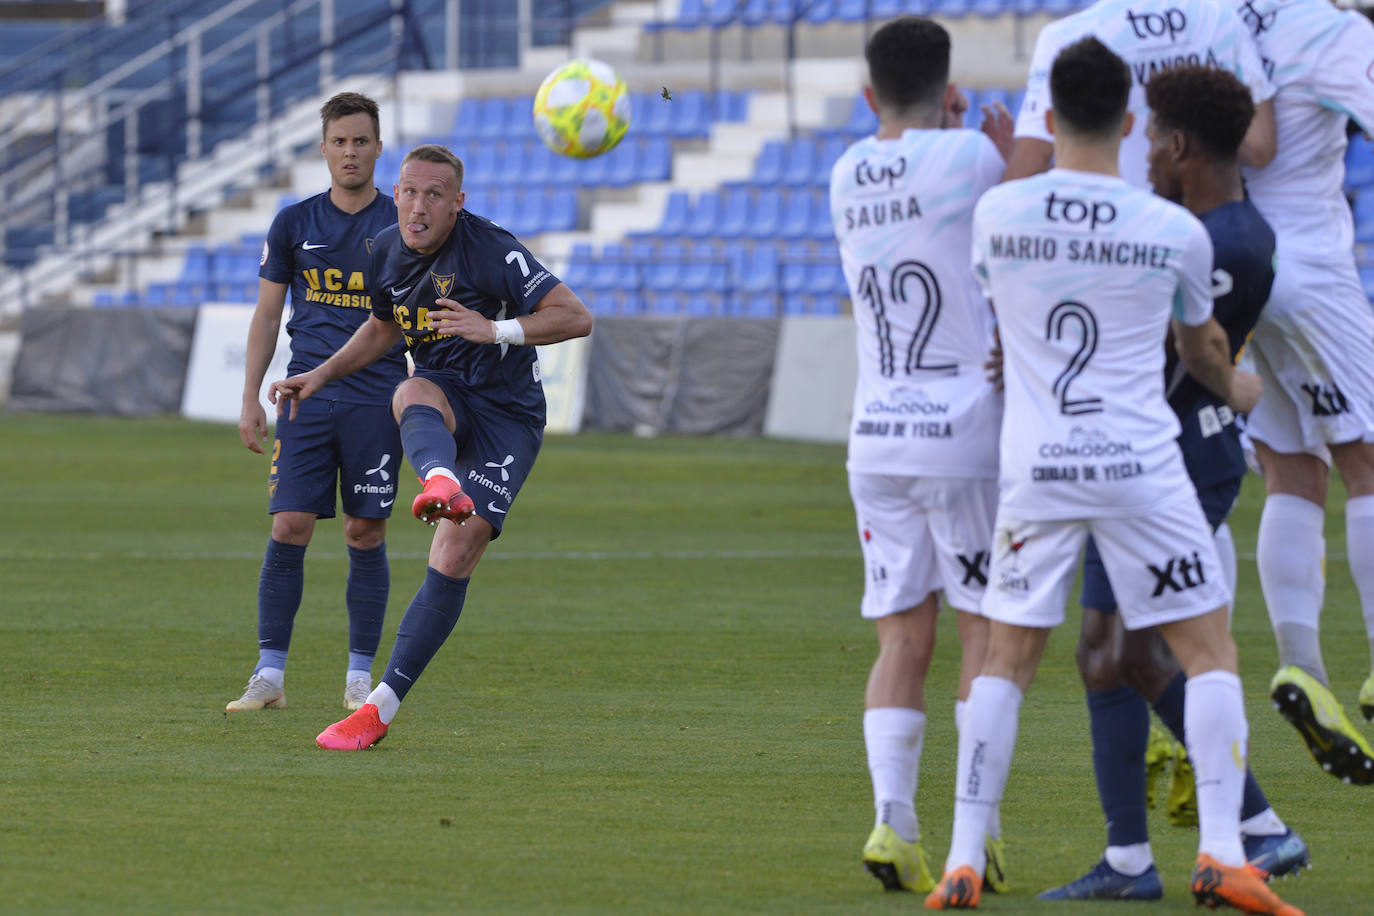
[(1086, 273), (471, 302)]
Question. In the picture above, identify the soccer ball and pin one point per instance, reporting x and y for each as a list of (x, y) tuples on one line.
[(582, 109)]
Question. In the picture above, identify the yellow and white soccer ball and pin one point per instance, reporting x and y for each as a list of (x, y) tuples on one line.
[(582, 109)]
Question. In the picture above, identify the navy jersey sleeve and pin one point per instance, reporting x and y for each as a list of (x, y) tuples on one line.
[(381, 299), (1242, 270), (277, 261), (506, 269)]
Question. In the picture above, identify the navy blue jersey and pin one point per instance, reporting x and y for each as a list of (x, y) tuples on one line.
[(323, 255), (482, 267), (1242, 273)]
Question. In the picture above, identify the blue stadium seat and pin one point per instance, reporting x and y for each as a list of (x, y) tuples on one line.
[(690, 14), (765, 220), (657, 116), (705, 270), (756, 272), (607, 268), (1364, 217), (736, 203), (829, 152), (819, 12), (769, 164), (862, 120), (952, 8), (828, 305), (705, 215), (826, 278), (579, 269), (720, 13), (801, 162), (668, 302), (792, 276), (539, 164), (633, 303), (655, 162), (562, 213), (668, 268), (821, 228), (703, 305), (601, 301), (490, 119), (690, 116), (675, 215), (1359, 164), (196, 268), (796, 215), (1059, 7)]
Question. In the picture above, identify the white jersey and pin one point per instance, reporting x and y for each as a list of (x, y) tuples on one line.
[(1150, 37), (902, 211), (1322, 61), (1084, 271)]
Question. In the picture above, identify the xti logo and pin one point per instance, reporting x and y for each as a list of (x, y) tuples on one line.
[(505, 475), (381, 468), (1179, 574), (1327, 401), (975, 568), (1156, 25)]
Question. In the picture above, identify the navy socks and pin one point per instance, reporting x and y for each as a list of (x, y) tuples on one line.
[(429, 620), (427, 442), (279, 597), (369, 584), (1120, 724)]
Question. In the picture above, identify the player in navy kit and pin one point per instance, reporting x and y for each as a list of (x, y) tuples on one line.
[(1198, 115), (320, 249), (470, 301)]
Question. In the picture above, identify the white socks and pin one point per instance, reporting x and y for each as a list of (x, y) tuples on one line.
[(386, 701), (995, 819), (986, 742), (1214, 724), (441, 472), (893, 736), (1359, 548), (1133, 860), (1289, 555)]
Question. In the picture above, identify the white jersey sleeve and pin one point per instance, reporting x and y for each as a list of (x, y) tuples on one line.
[(1193, 298), (1150, 38), (1322, 61), (902, 213)]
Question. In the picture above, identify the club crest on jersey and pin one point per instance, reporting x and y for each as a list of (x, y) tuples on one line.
[(368, 243), (442, 283)]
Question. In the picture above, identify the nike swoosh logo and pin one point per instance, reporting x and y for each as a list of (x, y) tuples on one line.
[(398, 671), (398, 293), (309, 247), (387, 503), (492, 507)]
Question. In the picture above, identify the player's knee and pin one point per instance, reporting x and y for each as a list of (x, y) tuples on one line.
[(1096, 665), (364, 533), (416, 391), (1355, 461), (292, 528)]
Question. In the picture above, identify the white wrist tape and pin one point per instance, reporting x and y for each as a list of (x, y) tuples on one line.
[(508, 331)]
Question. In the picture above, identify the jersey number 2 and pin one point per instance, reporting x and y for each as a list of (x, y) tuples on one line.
[(1077, 313), (899, 294)]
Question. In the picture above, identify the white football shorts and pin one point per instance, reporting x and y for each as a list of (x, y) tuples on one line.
[(920, 535), (1314, 350), (1162, 566)]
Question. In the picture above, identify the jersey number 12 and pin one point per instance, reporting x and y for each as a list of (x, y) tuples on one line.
[(900, 292)]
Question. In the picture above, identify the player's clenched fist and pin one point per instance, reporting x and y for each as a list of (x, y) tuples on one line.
[(453, 320)]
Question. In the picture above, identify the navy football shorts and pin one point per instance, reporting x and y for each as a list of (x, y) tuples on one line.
[(356, 447), (1216, 501), (495, 449)]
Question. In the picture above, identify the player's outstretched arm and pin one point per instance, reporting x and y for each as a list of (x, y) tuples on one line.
[(560, 315), (1205, 352), (262, 343), (1261, 140), (1029, 156), (373, 339)]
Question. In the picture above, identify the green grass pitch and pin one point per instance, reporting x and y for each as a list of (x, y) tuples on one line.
[(652, 703)]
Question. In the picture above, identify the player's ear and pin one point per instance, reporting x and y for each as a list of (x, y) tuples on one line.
[(1127, 124), (870, 99), (1049, 120), (462, 198)]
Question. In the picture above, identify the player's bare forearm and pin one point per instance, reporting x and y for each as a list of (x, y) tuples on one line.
[(1205, 352), (559, 316), (1029, 156), (1261, 139), (262, 336)]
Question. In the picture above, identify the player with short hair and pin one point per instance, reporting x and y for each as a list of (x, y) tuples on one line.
[(1151, 36), (471, 303), (1198, 116), (1314, 349), (1087, 274), (319, 249), (923, 441)]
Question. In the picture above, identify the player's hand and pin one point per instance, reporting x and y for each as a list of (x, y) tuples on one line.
[(295, 389), (1000, 127), (253, 425), (454, 320), (953, 114), (1246, 389), (992, 369)]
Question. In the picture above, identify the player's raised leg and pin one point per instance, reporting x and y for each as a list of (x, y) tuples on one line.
[(427, 427)]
